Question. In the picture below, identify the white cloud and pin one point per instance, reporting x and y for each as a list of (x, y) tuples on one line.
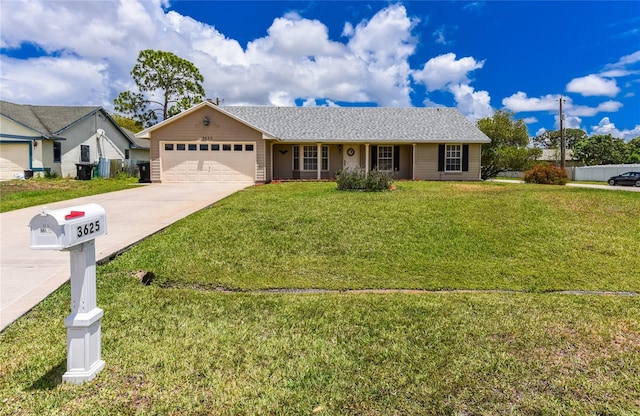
[(540, 131), (626, 60), (70, 80), (584, 111), (439, 36), (530, 120), (473, 104), (444, 70), (618, 73), (446, 73), (520, 102), (570, 122), (605, 126), (294, 60), (593, 85)]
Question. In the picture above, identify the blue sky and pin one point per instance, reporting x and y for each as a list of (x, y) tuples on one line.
[(477, 56)]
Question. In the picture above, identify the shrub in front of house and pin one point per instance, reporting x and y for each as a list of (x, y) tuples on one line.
[(359, 180), (547, 175)]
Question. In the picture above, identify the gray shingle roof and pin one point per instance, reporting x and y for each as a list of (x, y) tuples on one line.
[(371, 124), (49, 121)]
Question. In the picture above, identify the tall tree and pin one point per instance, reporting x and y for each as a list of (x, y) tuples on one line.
[(508, 150), (176, 83), (633, 148), (127, 123), (550, 139), (601, 149)]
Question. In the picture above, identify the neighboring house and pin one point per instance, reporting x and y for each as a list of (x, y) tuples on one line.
[(553, 156), (56, 138), (208, 143)]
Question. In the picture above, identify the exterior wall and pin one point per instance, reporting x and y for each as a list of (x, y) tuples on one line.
[(18, 154), (139, 154), (283, 162), (427, 164), (406, 163), (222, 128), (111, 145)]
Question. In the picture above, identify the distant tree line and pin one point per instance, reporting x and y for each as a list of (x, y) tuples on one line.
[(510, 148), (598, 149)]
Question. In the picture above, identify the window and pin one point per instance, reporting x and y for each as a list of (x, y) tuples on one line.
[(181, 146), (215, 147), (248, 147), (85, 153), (193, 147), (168, 146), (237, 148), (310, 158), (385, 157), (226, 147), (57, 152), (453, 158), (127, 154), (296, 158), (325, 157), (204, 147)]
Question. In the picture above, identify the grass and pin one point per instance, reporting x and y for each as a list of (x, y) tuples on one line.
[(17, 194), (181, 347), (422, 236)]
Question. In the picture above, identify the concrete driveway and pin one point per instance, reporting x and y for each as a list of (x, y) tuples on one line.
[(28, 276)]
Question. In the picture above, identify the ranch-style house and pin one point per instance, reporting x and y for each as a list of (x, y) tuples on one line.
[(211, 143)]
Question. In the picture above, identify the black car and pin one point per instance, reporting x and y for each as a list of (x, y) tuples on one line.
[(628, 178)]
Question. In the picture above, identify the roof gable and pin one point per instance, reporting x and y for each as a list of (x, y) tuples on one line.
[(49, 121), (52, 121)]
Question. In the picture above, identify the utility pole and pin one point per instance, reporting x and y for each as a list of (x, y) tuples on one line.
[(562, 140)]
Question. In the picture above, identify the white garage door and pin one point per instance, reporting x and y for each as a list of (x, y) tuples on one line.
[(208, 162), (14, 158)]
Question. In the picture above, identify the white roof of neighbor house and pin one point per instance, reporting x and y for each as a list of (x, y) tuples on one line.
[(554, 154), (349, 124), (370, 124)]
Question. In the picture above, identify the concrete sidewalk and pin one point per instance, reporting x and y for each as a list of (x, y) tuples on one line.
[(28, 276)]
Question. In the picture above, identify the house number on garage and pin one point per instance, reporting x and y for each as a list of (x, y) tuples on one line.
[(206, 138)]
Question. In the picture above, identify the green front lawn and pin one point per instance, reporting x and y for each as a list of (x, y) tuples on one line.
[(181, 347), (425, 235), (17, 194)]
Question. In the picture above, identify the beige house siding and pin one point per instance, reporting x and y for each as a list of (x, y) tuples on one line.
[(427, 164), (221, 128)]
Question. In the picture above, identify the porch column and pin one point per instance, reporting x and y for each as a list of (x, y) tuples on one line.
[(413, 161), (366, 157), (319, 157), (270, 162)]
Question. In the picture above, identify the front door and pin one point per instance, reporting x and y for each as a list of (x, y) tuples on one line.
[(351, 157)]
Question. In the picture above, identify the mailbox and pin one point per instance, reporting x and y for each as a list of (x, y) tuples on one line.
[(74, 229), (64, 228)]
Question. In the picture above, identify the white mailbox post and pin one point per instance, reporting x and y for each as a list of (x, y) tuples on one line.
[(75, 229)]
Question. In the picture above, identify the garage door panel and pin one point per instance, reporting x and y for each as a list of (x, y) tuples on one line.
[(14, 158), (206, 165)]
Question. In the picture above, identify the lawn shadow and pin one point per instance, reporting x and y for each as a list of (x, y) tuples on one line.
[(51, 379)]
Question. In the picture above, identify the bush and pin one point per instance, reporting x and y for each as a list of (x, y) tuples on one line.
[(359, 180), (547, 175)]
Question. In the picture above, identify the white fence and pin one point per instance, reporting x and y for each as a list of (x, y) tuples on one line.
[(601, 173)]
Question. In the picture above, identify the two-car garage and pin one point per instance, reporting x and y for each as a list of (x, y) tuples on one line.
[(208, 161)]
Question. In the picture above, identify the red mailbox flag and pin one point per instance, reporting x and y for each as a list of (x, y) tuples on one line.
[(74, 214)]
